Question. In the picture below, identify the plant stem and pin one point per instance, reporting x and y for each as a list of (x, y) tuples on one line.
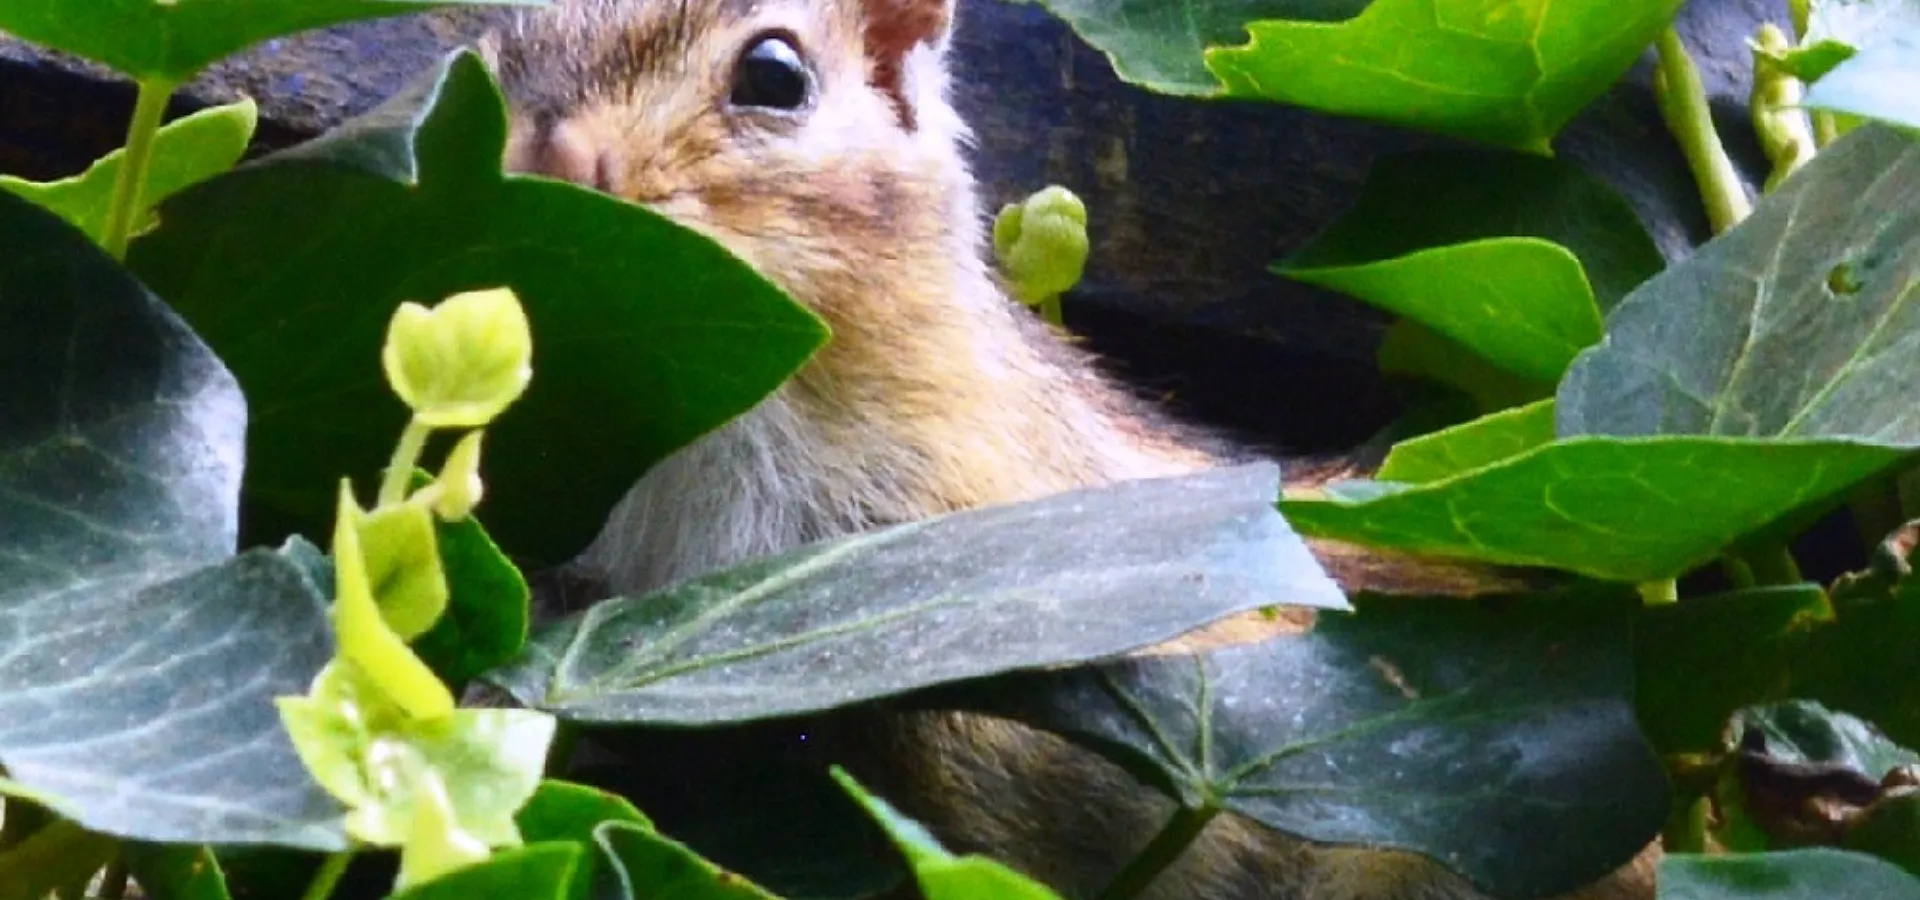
[(328, 876), (131, 181), (1160, 852), (113, 884), (406, 455), (1778, 120), (1773, 565), (1686, 828), (1654, 593), (1826, 129), (1683, 103), (1050, 311)]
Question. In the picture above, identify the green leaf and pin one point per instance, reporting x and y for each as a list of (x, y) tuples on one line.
[(56, 857), (646, 334), (1881, 81), (1473, 445), (1838, 30), (402, 557), (1491, 250), (1630, 509), (538, 872), (175, 872), (1817, 874), (486, 621), (174, 40), (1412, 350), (1802, 731), (186, 151), (141, 655), (943, 876), (561, 811), (953, 597), (1161, 44), (1484, 70), (1700, 661), (374, 758), (1797, 323), (1496, 736), (649, 864)]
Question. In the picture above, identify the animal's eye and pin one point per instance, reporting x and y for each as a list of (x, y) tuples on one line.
[(770, 75)]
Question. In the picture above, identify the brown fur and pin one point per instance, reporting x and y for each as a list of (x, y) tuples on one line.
[(935, 394)]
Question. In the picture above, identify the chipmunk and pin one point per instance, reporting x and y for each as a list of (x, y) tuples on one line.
[(814, 139)]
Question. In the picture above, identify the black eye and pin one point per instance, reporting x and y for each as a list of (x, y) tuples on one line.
[(770, 75)]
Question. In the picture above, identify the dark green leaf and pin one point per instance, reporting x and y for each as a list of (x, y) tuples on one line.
[(1485, 70), (1496, 736), (173, 40), (175, 872), (943, 876), (1700, 661), (1631, 509), (1798, 322), (1889, 829), (535, 872), (486, 621), (186, 152), (560, 811), (650, 864), (1801, 731), (56, 857), (141, 658), (1818, 874), (1161, 44), (1065, 579), (1476, 444), (646, 335), (1412, 350), (1493, 250)]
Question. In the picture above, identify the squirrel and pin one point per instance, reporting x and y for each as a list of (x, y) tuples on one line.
[(814, 140)]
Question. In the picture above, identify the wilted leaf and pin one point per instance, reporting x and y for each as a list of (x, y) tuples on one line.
[(1630, 509), (1161, 44), (140, 656), (1485, 70), (1817, 874), (173, 40), (646, 335), (186, 151), (1064, 579), (1495, 736), (1463, 448)]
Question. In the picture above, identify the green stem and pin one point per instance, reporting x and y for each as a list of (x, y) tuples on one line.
[(113, 884), (1779, 122), (406, 455), (131, 182), (1655, 593), (1826, 129), (1686, 828), (328, 876), (1683, 103), (1773, 565), (1050, 311), (1160, 852), (1800, 11)]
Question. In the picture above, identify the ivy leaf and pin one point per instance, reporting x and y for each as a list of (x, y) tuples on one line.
[(647, 335), (186, 151), (52, 859), (487, 619), (1483, 70), (1815, 874), (1700, 661), (1488, 249), (1059, 580), (1803, 731), (171, 41), (1469, 446), (140, 655), (942, 875), (561, 811), (538, 872), (649, 864), (1496, 736), (1161, 44), (1857, 54), (1878, 82), (1412, 350), (175, 872), (1628, 509)]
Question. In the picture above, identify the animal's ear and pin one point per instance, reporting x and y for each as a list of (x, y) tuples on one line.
[(894, 29)]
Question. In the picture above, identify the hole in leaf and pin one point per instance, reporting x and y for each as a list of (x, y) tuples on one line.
[(1842, 280)]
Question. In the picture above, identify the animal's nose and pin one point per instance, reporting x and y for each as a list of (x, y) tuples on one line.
[(570, 152)]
